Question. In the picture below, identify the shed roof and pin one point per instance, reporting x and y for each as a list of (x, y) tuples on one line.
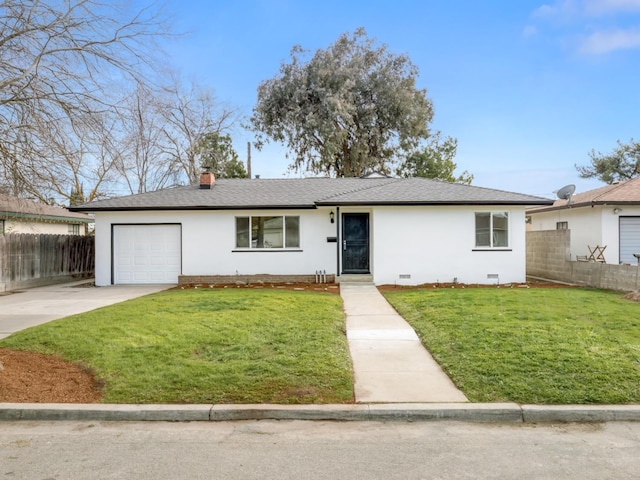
[(22, 208), (619, 193), (311, 193)]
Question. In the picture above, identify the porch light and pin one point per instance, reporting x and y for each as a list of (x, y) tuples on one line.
[(616, 211), (332, 216)]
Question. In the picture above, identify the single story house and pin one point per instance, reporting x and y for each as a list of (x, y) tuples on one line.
[(608, 217), (19, 215), (386, 230)]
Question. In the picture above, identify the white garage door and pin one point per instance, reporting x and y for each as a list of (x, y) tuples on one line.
[(629, 239), (146, 254)]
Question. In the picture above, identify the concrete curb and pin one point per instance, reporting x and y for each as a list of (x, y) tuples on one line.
[(465, 412), (580, 413), (103, 412)]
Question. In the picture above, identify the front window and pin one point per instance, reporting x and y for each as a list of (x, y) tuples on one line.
[(268, 232), (1, 227), (492, 229), (562, 225), (74, 229)]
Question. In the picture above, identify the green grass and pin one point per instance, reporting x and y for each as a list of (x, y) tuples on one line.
[(208, 346), (545, 346)]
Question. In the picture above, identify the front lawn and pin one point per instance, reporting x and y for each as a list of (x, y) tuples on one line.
[(546, 346), (208, 346)]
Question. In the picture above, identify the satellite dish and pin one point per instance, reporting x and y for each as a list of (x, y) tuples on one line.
[(566, 192)]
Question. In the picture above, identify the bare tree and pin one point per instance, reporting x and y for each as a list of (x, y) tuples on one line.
[(80, 159), (61, 66), (144, 165), (191, 115)]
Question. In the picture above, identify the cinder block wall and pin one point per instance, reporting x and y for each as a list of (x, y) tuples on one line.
[(548, 256)]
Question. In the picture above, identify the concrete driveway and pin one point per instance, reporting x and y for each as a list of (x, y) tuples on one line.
[(34, 306)]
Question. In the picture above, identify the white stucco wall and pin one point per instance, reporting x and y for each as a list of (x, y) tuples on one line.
[(429, 244), (437, 244), (208, 243), (13, 226), (590, 226)]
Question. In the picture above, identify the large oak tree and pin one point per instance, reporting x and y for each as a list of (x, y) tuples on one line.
[(346, 110)]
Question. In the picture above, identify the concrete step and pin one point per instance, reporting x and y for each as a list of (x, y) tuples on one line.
[(355, 278)]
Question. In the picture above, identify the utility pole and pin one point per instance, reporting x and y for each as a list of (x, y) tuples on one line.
[(249, 160)]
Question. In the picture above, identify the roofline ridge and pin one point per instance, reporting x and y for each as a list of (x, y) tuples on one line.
[(615, 186), (360, 189), (500, 190)]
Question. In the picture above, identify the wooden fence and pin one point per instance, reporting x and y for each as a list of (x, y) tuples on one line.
[(28, 260)]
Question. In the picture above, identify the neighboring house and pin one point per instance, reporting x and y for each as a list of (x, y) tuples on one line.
[(18, 215), (608, 217), (391, 230)]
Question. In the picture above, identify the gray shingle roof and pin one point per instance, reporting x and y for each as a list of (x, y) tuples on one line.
[(312, 192)]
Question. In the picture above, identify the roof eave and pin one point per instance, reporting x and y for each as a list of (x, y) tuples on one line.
[(584, 204), (48, 218), (196, 208), (427, 203)]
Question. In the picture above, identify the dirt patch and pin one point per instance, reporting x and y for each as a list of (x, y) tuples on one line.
[(633, 296), (27, 377), (310, 287)]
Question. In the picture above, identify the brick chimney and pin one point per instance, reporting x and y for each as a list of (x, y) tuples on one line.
[(207, 179)]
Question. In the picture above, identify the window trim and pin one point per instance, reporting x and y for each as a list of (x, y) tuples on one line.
[(491, 247), (2, 226), (251, 248)]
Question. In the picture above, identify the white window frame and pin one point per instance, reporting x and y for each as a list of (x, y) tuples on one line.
[(74, 229), (266, 248), (492, 231)]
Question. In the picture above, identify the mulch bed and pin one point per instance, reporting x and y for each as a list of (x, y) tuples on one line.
[(310, 287), (28, 377), (528, 284)]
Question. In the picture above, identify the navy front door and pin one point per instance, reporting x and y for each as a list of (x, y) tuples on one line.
[(355, 243)]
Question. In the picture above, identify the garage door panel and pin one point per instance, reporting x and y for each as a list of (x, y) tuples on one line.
[(125, 278), (175, 261), (157, 261), (147, 253), (629, 239)]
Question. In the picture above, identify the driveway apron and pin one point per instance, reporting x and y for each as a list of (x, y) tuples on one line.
[(389, 361), (34, 306)]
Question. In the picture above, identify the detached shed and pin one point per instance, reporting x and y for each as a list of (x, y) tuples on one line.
[(19, 215), (608, 216)]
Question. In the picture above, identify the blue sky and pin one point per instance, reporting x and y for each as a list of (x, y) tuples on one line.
[(528, 88)]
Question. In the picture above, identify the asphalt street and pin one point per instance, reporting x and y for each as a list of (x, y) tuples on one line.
[(318, 450)]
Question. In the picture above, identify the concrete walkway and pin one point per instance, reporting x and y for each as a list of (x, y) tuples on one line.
[(390, 363), (34, 306)]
